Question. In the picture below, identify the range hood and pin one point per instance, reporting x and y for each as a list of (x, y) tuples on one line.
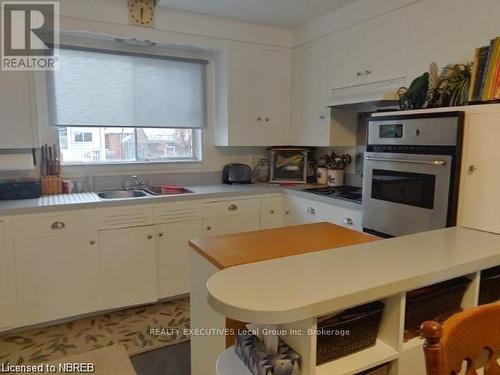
[(369, 97)]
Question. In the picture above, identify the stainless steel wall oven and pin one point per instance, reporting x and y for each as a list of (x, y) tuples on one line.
[(411, 173)]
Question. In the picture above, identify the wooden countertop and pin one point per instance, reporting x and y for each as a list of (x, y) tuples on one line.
[(249, 247)]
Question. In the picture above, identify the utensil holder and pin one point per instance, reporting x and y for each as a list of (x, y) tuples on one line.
[(51, 185)]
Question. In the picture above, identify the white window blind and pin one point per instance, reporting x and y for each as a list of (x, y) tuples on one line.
[(108, 89)]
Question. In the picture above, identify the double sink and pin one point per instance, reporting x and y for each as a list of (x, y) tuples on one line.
[(146, 192)]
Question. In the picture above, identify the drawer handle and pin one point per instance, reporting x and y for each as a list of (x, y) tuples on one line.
[(160, 234), (150, 236), (209, 228), (232, 207), (311, 210), (58, 225), (348, 221)]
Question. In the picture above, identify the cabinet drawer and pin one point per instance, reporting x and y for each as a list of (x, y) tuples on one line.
[(230, 224), (177, 212), (231, 207), (50, 225)]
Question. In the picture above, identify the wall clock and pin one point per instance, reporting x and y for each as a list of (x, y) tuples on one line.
[(141, 12)]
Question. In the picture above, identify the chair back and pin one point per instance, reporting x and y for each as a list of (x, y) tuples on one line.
[(463, 337)]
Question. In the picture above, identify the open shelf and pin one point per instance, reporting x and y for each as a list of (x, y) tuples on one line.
[(360, 361), (228, 363)]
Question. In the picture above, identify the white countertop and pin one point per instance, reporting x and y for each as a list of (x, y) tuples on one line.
[(304, 286), (91, 200)]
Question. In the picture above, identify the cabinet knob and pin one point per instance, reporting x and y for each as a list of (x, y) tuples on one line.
[(209, 228), (348, 221), (311, 210), (232, 207), (287, 212), (267, 119), (271, 212), (472, 169), (92, 242), (259, 118), (160, 234), (322, 117), (359, 74), (58, 225), (150, 236), (368, 71)]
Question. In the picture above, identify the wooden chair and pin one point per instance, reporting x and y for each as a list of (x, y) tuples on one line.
[(463, 337)]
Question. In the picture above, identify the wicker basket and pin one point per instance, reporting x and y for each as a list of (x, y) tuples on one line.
[(489, 289), (360, 327), (51, 185), (379, 370), (436, 302)]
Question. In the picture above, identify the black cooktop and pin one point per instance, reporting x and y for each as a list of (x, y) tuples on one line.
[(345, 192)]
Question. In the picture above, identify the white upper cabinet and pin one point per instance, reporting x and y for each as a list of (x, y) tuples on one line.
[(310, 118), (254, 96), (17, 111), (372, 51)]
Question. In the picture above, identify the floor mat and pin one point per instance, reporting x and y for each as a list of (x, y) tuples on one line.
[(130, 328)]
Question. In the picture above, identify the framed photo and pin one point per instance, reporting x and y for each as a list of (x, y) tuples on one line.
[(289, 165)]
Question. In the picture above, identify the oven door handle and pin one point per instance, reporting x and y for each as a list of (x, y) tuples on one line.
[(407, 161)]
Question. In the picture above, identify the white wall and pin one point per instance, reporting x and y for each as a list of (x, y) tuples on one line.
[(173, 29)]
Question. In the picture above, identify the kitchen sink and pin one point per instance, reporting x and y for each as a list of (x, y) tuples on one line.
[(157, 190), (120, 194)]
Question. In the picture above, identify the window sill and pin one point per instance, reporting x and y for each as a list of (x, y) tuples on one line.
[(133, 163)]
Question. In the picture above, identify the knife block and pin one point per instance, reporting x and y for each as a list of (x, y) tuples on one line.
[(51, 185)]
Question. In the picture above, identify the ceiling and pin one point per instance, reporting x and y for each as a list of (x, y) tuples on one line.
[(283, 13)]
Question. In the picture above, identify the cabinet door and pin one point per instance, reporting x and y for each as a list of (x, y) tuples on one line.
[(347, 56), (275, 96), (310, 118), (172, 251), (385, 47), (259, 95), (4, 282), (218, 226), (480, 178), (244, 94), (128, 266), (57, 277), (16, 107), (271, 212)]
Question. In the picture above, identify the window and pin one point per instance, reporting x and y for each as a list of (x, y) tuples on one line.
[(81, 137), (113, 107), (122, 145)]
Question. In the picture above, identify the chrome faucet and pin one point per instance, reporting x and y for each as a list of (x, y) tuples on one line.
[(134, 184)]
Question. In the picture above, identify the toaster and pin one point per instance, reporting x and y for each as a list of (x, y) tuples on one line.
[(236, 174)]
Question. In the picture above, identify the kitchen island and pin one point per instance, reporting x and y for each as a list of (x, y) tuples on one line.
[(214, 254), (293, 292)]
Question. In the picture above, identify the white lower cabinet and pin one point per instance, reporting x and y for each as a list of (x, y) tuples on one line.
[(5, 305), (304, 211), (128, 266), (172, 256), (218, 226), (57, 277), (271, 212)]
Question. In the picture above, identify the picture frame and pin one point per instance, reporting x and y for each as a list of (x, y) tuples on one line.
[(289, 165)]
